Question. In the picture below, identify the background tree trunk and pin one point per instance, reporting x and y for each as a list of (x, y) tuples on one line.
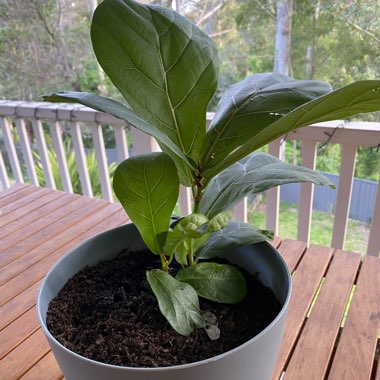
[(282, 61)]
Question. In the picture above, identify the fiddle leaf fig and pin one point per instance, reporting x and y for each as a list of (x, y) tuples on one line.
[(166, 69), (147, 51), (253, 174), (235, 234), (353, 99), (147, 187), (177, 301), (249, 106), (216, 282)]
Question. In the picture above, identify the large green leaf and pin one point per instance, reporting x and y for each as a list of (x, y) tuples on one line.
[(184, 163), (177, 301), (253, 174), (249, 106), (216, 282), (147, 187), (236, 234), (164, 66), (353, 99)]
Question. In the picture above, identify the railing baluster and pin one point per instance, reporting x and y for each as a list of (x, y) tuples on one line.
[(3, 173), (121, 143), (373, 247), (342, 209), (185, 200), (273, 195), (43, 151), (26, 151), (143, 143), (81, 158), (101, 158), (241, 211), (309, 152), (56, 134), (11, 150)]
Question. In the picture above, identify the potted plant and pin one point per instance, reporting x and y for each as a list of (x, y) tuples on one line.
[(167, 71)]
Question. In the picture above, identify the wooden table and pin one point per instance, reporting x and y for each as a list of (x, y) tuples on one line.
[(38, 225)]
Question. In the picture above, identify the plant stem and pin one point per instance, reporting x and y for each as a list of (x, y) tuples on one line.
[(164, 262), (197, 198)]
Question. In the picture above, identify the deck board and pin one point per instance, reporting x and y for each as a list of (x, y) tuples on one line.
[(306, 280), (311, 357), (37, 226), (356, 349)]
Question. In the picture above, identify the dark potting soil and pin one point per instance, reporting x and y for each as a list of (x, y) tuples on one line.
[(108, 313)]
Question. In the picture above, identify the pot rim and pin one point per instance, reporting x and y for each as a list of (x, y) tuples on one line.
[(42, 320)]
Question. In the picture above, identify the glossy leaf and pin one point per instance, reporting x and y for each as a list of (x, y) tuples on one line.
[(184, 163), (252, 104), (147, 187), (236, 234), (177, 301), (253, 174), (353, 99), (216, 282), (161, 63)]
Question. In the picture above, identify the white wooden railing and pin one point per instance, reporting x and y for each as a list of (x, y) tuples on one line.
[(15, 115)]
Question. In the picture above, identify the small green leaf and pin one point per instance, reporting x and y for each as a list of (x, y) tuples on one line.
[(216, 282), (219, 221), (185, 229), (235, 235), (253, 174), (147, 187), (177, 301)]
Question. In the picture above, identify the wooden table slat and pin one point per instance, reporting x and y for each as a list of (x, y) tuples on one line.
[(356, 348), (306, 280), (18, 331), (310, 359), (30, 211), (11, 190), (46, 257), (292, 252), (18, 305), (17, 199), (78, 210), (24, 356), (46, 369)]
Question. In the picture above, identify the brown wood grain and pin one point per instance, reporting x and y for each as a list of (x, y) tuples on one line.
[(6, 192), (18, 331), (29, 212), (24, 356), (306, 280), (46, 369), (35, 265), (21, 198), (310, 359), (292, 251), (57, 221), (18, 305), (356, 348)]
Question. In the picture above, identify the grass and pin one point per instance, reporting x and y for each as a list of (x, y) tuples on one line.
[(321, 227)]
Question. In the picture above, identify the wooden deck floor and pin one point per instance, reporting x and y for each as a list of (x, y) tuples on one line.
[(38, 225)]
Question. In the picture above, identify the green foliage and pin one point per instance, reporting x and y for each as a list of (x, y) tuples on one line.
[(147, 187), (167, 69)]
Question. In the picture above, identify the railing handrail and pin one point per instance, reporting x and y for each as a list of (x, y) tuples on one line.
[(349, 134)]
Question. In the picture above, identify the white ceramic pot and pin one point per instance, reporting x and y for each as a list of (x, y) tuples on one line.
[(254, 360)]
